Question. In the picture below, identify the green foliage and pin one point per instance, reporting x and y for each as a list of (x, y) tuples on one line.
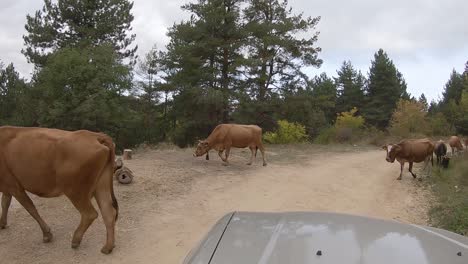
[(326, 136), (450, 187), (286, 133), (439, 126), (348, 125), (350, 84), (71, 23), (461, 123), (409, 118), (15, 99), (386, 87), (276, 54), (80, 89)]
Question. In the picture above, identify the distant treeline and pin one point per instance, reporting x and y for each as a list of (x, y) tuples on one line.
[(232, 61)]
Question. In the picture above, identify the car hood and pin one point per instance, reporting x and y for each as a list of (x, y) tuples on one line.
[(319, 237)]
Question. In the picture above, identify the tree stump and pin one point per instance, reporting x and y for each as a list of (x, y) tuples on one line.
[(127, 154), (124, 175)]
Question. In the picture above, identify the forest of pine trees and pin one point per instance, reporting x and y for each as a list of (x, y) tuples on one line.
[(236, 61)]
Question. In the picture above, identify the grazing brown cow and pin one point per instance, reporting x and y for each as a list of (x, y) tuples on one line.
[(410, 150), (455, 144), (225, 136), (51, 163)]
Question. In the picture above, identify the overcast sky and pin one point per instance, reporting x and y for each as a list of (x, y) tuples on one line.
[(426, 39)]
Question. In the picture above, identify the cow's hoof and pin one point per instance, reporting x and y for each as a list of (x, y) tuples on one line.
[(225, 164), (47, 238), (399, 178), (419, 179), (107, 250), (3, 226), (264, 164), (75, 244), (414, 176), (249, 163)]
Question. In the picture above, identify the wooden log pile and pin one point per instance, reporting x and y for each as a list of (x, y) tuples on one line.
[(121, 173)]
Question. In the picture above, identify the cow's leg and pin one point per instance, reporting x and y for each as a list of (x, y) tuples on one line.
[(88, 215), (262, 149), (104, 200), (220, 154), (228, 150), (207, 155), (6, 201), (26, 202), (402, 165), (252, 151), (411, 169)]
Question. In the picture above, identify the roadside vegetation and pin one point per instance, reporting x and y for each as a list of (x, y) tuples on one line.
[(450, 188)]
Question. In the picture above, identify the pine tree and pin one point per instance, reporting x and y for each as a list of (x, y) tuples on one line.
[(423, 101), (386, 86), (276, 55), (203, 60), (453, 88), (72, 23), (350, 84)]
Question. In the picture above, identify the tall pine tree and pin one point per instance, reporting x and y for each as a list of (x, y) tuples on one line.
[(350, 84), (386, 86), (276, 55), (203, 60)]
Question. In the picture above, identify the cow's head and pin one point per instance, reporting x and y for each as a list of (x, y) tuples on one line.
[(202, 148), (392, 151)]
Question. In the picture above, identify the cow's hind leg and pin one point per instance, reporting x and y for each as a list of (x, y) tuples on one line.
[(26, 202), (411, 169), (6, 201), (262, 149), (104, 200), (88, 215)]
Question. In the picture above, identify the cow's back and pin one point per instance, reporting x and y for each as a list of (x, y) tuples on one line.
[(416, 150), (235, 135), (455, 142), (48, 162)]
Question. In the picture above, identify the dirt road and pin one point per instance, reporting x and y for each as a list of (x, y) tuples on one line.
[(175, 199)]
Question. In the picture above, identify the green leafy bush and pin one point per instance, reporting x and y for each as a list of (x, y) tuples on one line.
[(326, 136), (440, 126), (286, 133)]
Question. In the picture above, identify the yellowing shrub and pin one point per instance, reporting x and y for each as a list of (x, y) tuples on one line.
[(286, 133)]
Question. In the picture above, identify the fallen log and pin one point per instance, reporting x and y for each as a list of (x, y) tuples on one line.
[(124, 175)]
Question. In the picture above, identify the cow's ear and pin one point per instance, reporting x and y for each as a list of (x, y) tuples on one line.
[(384, 147), (205, 143)]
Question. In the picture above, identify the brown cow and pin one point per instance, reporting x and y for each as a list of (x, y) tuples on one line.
[(51, 163), (225, 136), (410, 150), (455, 144)]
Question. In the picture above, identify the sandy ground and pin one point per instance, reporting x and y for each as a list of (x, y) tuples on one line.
[(176, 198)]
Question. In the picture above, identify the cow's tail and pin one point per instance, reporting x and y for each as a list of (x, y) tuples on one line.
[(107, 141)]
